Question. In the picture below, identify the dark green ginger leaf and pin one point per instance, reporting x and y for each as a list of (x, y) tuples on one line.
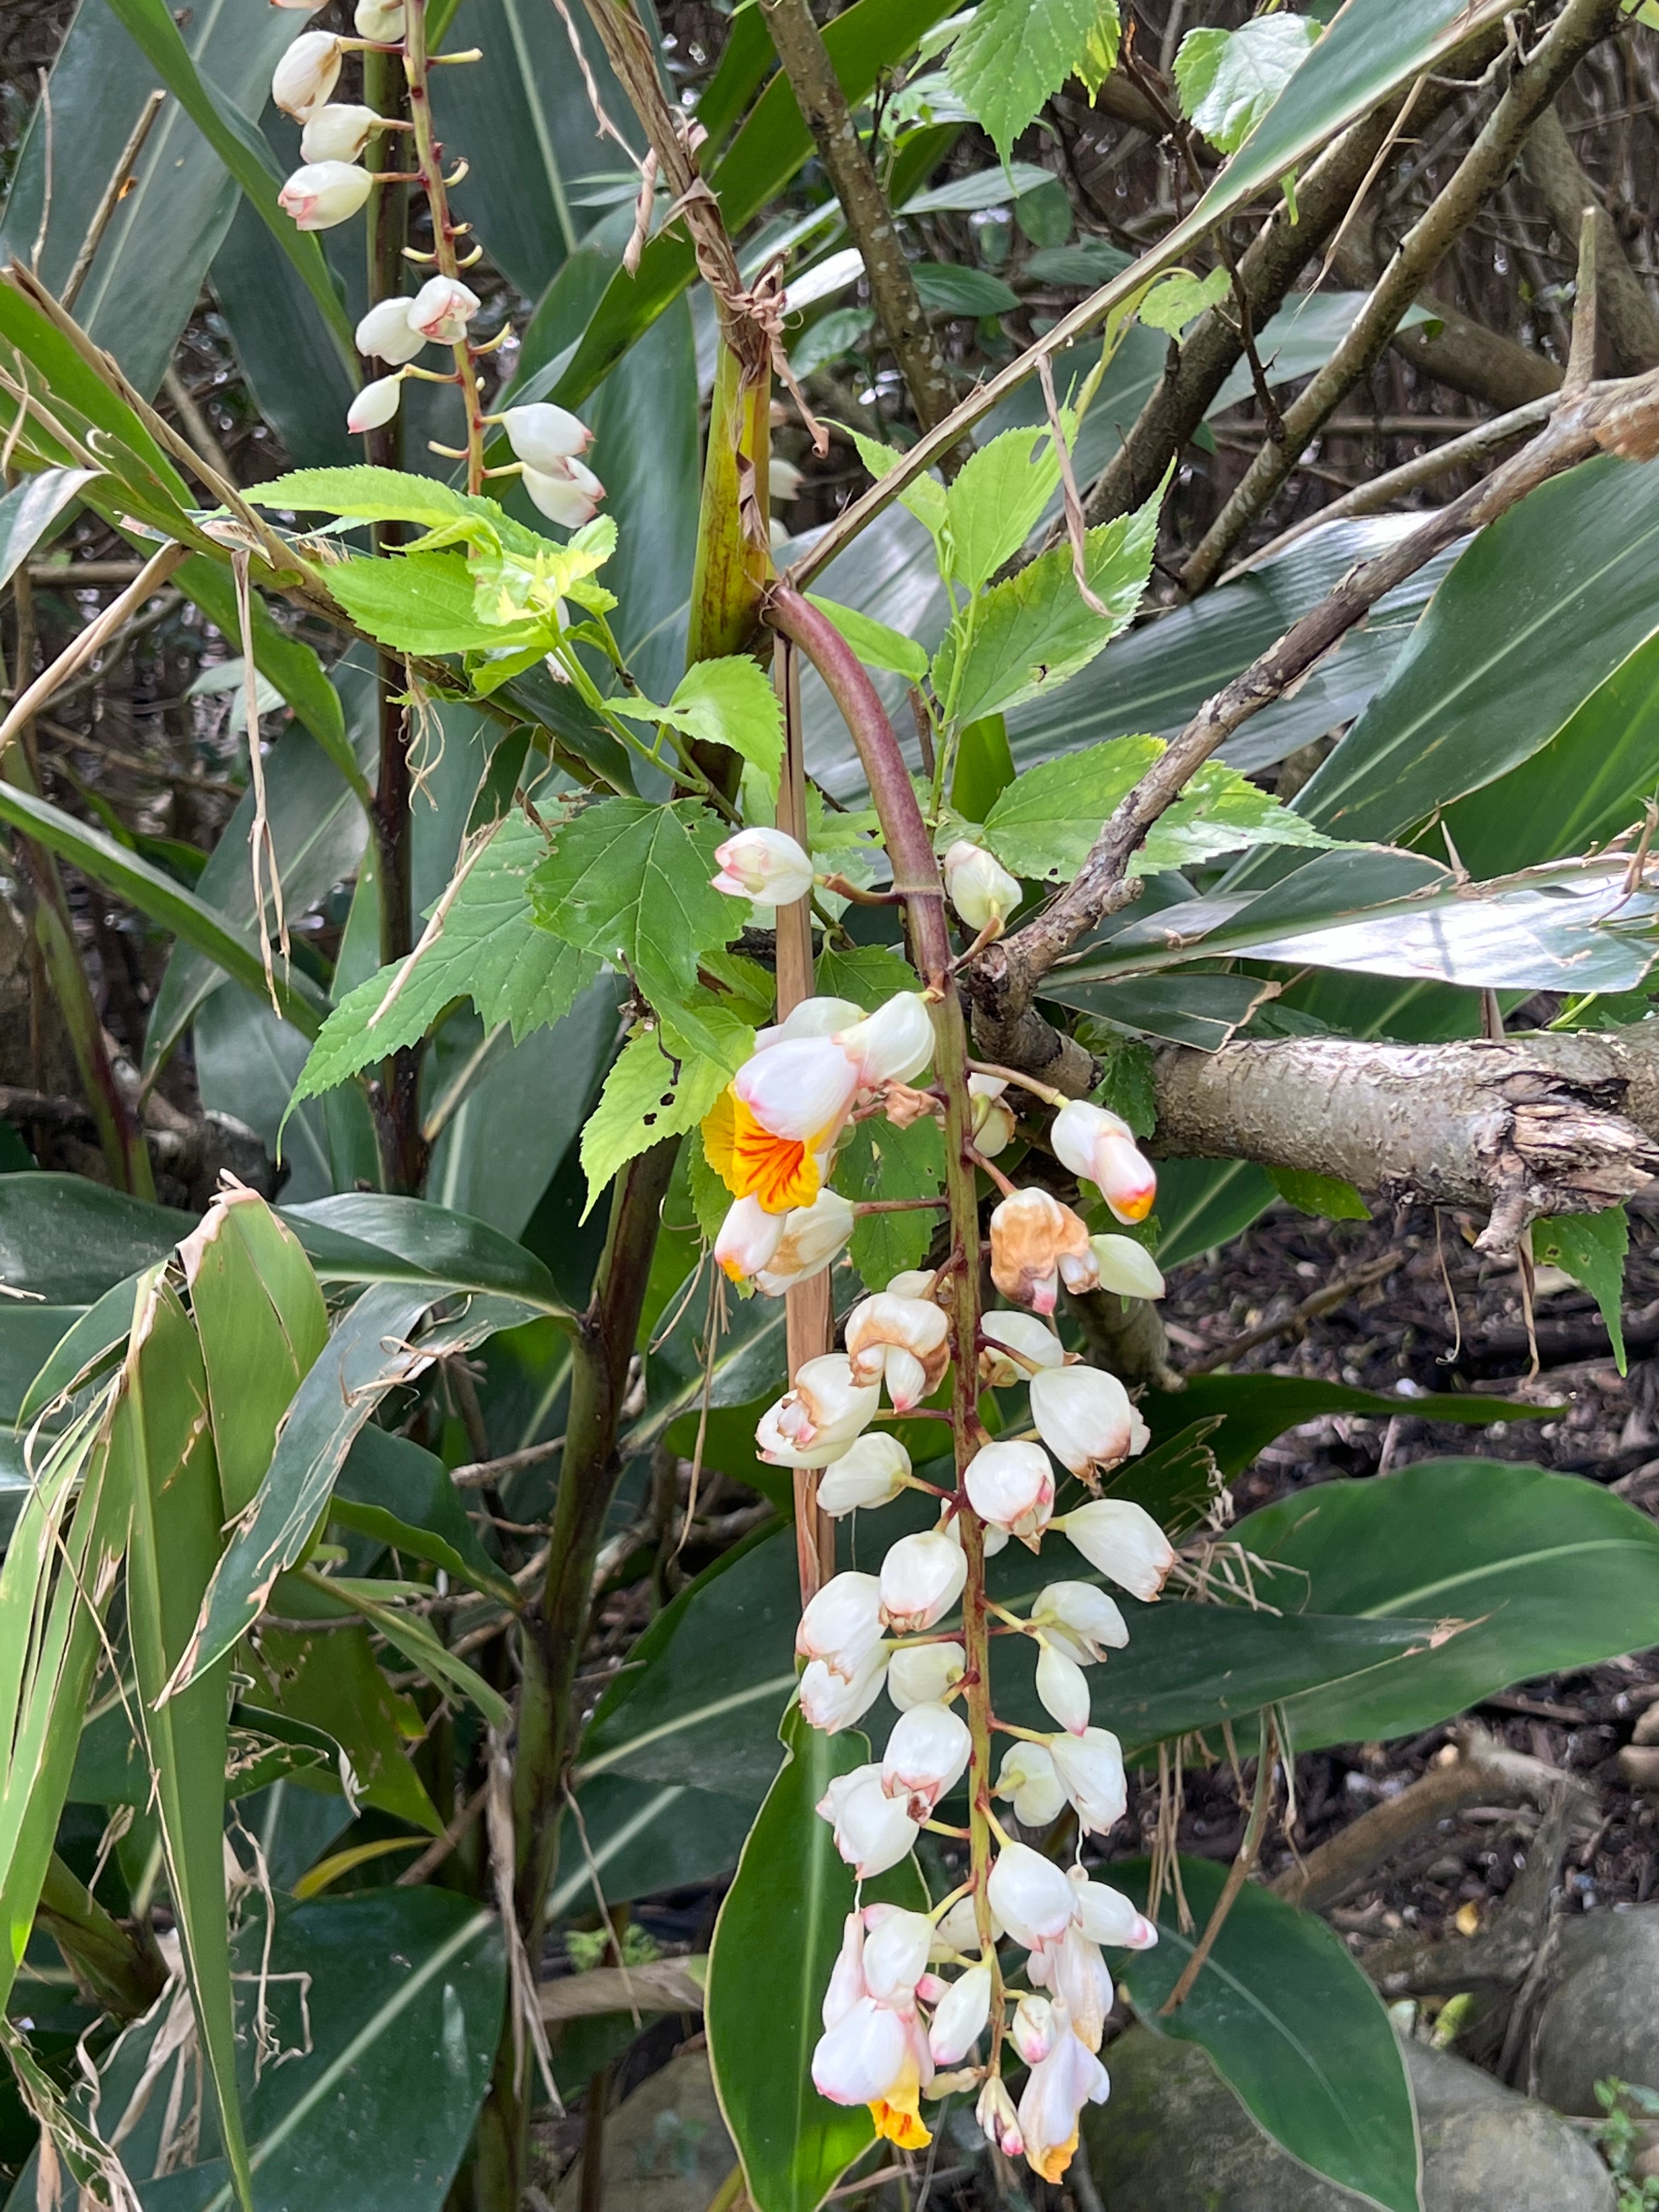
[(487, 948)]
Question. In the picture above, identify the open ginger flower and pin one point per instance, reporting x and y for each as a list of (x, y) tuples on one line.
[(818, 1418), (874, 2050), (901, 1340), (1035, 1244)]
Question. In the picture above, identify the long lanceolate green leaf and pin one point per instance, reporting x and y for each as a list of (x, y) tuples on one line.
[(162, 1437), (55, 1584), (238, 145)]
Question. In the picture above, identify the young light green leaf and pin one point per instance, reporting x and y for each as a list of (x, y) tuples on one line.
[(1222, 811), (426, 603), (728, 702), (875, 644), (924, 496), (1013, 55), (1227, 80), (994, 503), (1591, 1248), (1325, 1196), (1045, 822), (489, 949), (1098, 60), (1181, 297), (632, 882), (1031, 633), (648, 1095), (372, 494)]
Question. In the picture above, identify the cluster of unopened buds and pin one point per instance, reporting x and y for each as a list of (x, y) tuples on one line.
[(332, 185)]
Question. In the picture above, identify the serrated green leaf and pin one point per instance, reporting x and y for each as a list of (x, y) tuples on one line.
[(371, 495), (875, 644), (648, 1095), (1098, 60), (869, 975), (726, 702), (1221, 811), (632, 882), (1029, 635), (924, 496), (1227, 80), (1126, 1086), (1045, 822), (883, 1161), (710, 1199), (1013, 55), (993, 504), (1181, 297), (1325, 1196), (1591, 1248), (425, 602), (489, 950)]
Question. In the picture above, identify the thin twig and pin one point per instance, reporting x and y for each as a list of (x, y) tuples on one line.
[(480, 1474), (39, 247), (1322, 1302), (155, 571), (114, 191), (1073, 505)]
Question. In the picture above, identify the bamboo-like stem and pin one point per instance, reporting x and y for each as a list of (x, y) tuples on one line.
[(428, 161)]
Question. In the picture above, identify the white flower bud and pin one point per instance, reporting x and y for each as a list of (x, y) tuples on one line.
[(871, 1472), (960, 2017), (863, 2055), (872, 1830), (748, 1237), (815, 1422), (766, 866), (993, 1116), (1090, 1764), (1011, 1486), (380, 20), (994, 1540), (841, 1624), (956, 1933), (324, 194), (922, 1674), (337, 133), (1063, 1688), (831, 1702), (927, 1754), (559, 498), (921, 1578), (892, 1045), (544, 435), (1105, 1915), (812, 1018), (1027, 1775), (1080, 1620), (978, 885), (1127, 1268), (1084, 1417), (903, 1339), (812, 1234), (896, 1947), (1101, 1147), (1123, 1541), (386, 333), (1034, 2029), (1032, 1233), (375, 403), (997, 2121), (442, 308), (306, 74), (798, 1089), (1031, 1896), (1019, 1344)]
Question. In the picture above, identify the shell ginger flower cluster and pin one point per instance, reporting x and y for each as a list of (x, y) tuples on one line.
[(917, 2008)]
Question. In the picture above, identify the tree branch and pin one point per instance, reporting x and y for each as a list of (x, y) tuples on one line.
[(1554, 168), (1581, 25)]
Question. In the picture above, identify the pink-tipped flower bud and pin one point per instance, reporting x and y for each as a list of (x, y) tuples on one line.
[(815, 1421), (1030, 1234), (1101, 1147), (1062, 1688), (306, 74), (1090, 1764), (1027, 1776), (560, 498), (1081, 1621), (1105, 1916), (924, 1673), (902, 1340), (993, 1116), (896, 1947), (841, 1624), (324, 194), (1123, 1541), (386, 333), (337, 132), (812, 1018), (442, 308), (921, 1578), (871, 1472), (1056, 2089), (927, 1754), (375, 403), (1127, 1268), (832, 1702), (766, 866), (748, 1237), (1031, 1896), (1017, 1344), (544, 435), (998, 2123), (960, 2017), (872, 1830), (812, 1234), (978, 885), (1084, 1417), (1034, 2029), (1012, 1486), (892, 1045)]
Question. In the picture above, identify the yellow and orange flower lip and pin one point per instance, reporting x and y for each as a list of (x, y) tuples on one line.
[(781, 1172), (901, 2125)]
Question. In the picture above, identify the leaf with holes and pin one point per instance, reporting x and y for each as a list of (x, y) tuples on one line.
[(648, 1095), (1591, 1248)]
